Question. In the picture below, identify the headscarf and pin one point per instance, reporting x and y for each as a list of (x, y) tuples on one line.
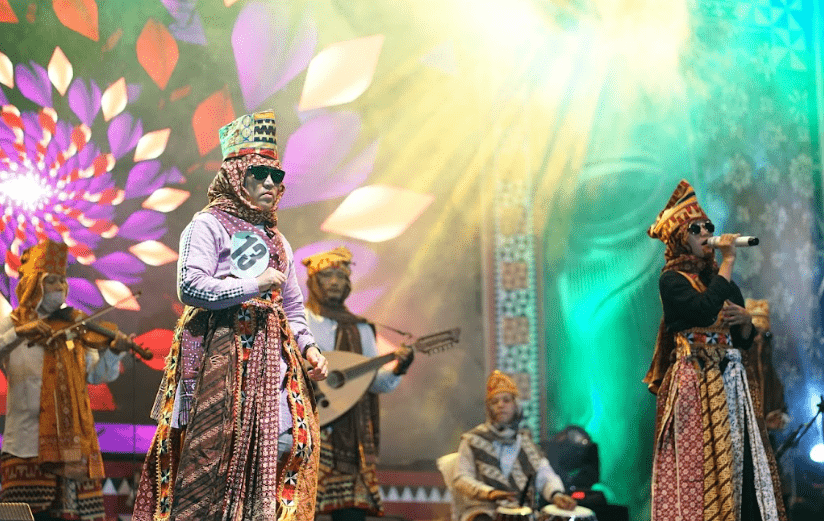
[(35, 263), (227, 193)]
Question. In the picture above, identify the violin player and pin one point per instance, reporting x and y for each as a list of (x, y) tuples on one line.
[(50, 456)]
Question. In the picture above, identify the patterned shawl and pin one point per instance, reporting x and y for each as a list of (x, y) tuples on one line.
[(68, 440), (228, 194), (295, 492)]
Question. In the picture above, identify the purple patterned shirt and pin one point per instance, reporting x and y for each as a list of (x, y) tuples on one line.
[(204, 281), (203, 275)]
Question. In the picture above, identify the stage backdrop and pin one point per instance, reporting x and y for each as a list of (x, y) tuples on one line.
[(723, 94), (109, 143), (492, 165)]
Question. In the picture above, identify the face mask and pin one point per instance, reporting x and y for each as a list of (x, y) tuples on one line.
[(52, 301)]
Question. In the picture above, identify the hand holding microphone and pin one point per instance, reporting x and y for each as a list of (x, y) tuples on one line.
[(743, 241)]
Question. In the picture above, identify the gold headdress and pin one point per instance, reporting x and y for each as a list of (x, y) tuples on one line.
[(760, 311), (340, 257), (42, 258), (45, 257), (498, 382), (682, 208)]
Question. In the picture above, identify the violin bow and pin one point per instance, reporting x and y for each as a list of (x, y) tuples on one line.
[(66, 329)]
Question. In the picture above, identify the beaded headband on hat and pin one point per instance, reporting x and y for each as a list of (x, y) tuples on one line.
[(340, 257), (498, 382), (249, 134), (681, 208), (45, 257), (760, 311)]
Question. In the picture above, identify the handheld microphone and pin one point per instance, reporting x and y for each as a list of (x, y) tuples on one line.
[(739, 242)]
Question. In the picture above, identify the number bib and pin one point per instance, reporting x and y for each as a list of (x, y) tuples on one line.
[(250, 255)]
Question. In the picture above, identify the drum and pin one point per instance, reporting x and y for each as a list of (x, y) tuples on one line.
[(553, 513), (503, 513)]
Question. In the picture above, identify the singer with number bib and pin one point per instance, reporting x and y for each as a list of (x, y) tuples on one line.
[(712, 458), (238, 435)]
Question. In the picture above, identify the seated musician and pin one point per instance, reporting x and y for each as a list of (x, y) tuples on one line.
[(347, 480), (496, 460), (51, 459)]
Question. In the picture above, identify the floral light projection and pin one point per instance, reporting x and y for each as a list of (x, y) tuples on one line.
[(188, 26), (6, 14), (343, 169), (267, 54), (377, 213), (56, 180), (96, 177), (341, 72), (78, 15)]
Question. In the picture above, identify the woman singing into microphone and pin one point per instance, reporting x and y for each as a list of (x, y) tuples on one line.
[(712, 459)]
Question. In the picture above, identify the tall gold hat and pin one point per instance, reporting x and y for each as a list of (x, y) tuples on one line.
[(682, 208), (340, 257), (250, 134), (47, 256), (760, 311), (498, 382)]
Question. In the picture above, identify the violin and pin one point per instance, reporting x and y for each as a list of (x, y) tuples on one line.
[(72, 323)]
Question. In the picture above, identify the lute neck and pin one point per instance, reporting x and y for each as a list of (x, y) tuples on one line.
[(368, 365)]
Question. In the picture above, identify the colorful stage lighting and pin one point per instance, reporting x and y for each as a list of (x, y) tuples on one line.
[(24, 190)]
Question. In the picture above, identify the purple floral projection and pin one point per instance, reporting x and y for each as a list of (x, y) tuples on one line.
[(188, 26), (96, 178), (332, 136), (267, 54), (56, 181)]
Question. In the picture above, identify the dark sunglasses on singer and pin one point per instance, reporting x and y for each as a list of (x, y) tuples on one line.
[(695, 228), (261, 172)]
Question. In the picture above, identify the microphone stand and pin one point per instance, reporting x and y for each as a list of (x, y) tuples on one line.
[(796, 436)]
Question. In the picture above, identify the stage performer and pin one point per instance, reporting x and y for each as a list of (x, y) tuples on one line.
[(237, 435), (712, 458), (51, 459), (347, 478), (497, 458), (769, 399)]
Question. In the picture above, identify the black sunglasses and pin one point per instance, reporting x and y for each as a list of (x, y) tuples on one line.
[(695, 228), (261, 172)]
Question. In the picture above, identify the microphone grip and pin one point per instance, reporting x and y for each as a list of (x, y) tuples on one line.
[(740, 242)]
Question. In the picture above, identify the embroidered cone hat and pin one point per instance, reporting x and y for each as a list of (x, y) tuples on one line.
[(340, 257), (44, 257), (498, 382), (760, 311), (681, 208), (250, 134)]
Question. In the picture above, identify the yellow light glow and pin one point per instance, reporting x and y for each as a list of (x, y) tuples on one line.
[(117, 294), (153, 253)]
